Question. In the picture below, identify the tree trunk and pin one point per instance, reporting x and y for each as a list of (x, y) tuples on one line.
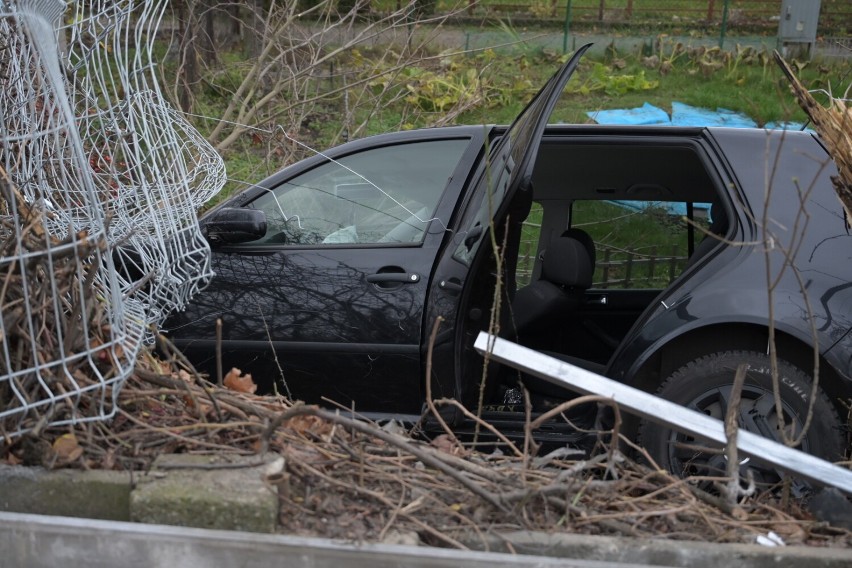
[(207, 31), (236, 22), (253, 28), (186, 12)]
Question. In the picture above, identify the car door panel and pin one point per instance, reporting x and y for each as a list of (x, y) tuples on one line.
[(604, 319), (320, 320)]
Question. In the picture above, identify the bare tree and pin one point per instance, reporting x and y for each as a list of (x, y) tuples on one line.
[(305, 59)]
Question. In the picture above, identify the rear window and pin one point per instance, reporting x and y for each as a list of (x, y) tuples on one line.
[(638, 244)]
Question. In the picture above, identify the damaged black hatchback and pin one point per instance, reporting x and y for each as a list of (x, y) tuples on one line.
[(662, 257)]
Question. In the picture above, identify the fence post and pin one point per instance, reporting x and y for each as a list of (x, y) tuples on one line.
[(567, 26), (672, 263), (724, 25), (601, 10), (711, 4), (629, 9), (652, 263), (628, 271)]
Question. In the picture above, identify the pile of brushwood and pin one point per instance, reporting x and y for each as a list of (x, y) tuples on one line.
[(55, 331), (833, 123), (356, 480)]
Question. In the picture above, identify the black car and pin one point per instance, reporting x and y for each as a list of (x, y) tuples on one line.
[(662, 257)]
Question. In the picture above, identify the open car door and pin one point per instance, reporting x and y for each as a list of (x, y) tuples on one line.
[(470, 270)]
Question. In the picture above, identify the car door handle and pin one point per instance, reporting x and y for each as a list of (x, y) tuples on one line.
[(596, 299), (393, 277)]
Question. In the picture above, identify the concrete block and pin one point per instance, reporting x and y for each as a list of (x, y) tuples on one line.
[(66, 492), (210, 492)]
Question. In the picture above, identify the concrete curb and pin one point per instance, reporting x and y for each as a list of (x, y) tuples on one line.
[(46, 542), (661, 552), (213, 493), (207, 492)]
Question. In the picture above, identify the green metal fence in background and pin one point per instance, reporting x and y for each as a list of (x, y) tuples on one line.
[(835, 15), (755, 22)]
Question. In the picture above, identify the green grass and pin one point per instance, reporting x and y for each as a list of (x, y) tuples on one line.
[(759, 91), (747, 83)]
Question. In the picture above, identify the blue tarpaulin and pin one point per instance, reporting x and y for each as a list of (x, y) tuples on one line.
[(682, 115), (672, 207), (685, 115), (646, 114), (787, 126)]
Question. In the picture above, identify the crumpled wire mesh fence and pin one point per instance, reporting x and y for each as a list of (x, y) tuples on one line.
[(99, 185)]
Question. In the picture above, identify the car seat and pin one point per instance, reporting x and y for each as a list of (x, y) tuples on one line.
[(566, 273), (590, 325)]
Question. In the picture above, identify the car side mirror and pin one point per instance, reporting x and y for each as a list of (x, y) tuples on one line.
[(232, 225)]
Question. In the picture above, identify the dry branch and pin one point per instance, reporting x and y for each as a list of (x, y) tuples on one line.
[(51, 317), (352, 479)]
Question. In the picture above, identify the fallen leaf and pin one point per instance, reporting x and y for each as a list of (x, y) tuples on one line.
[(315, 424), (67, 448), (236, 381), (445, 444)]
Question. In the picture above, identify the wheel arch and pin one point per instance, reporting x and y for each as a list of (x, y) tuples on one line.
[(742, 336)]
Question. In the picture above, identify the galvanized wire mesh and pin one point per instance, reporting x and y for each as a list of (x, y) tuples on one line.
[(151, 168), (99, 185)]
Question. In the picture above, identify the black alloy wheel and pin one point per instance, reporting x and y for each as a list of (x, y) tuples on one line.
[(705, 385)]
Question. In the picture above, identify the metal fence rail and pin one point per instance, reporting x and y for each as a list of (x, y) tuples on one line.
[(617, 267), (835, 15), (101, 179)]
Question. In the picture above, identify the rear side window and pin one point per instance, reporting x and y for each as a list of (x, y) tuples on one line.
[(638, 244), (384, 195)]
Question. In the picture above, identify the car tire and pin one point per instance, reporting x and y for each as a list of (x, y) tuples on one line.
[(703, 384)]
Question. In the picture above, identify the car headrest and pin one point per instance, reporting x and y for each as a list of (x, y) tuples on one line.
[(585, 238), (566, 263)]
